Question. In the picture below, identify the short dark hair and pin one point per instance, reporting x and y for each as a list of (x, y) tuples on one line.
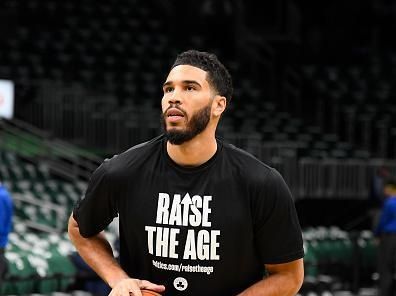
[(217, 74)]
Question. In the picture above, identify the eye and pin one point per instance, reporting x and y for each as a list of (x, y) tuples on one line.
[(168, 89), (190, 87)]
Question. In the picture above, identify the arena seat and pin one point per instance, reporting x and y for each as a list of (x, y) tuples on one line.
[(38, 263), (367, 110), (331, 255)]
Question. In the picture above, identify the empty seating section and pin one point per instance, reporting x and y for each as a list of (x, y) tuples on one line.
[(39, 249), (104, 65), (338, 261), (39, 198), (118, 50), (108, 59), (356, 103), (102, 44), (38, 263)]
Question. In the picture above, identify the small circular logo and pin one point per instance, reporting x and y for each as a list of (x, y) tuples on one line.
[(180, 284)]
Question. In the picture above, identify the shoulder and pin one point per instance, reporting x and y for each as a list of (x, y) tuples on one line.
[(131, 158), (252, 170), (245, 161), (142, 148)]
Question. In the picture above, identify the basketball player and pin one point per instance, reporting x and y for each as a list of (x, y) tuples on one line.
[(197, 216)]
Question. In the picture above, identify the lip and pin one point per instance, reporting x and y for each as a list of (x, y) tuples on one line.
[(174, 112)]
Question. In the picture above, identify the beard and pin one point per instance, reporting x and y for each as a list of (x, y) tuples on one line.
[(198, 122)]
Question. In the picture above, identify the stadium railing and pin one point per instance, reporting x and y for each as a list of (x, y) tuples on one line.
[(40, 147)]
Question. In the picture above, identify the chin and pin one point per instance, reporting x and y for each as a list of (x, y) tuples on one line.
[(174, 128)]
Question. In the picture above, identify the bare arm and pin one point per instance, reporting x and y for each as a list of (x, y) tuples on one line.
[(97, 253), (283, 280)]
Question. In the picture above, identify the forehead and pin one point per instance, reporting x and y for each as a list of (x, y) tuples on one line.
[(186, 72)]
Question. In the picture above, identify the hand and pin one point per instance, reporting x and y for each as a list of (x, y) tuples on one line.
[(127, 287)]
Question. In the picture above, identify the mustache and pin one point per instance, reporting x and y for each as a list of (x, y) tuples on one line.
[(175, 107)]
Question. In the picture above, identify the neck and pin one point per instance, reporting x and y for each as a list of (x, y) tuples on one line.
[(194, 152)]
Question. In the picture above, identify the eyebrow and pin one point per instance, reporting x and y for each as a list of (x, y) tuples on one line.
[(183, 82)]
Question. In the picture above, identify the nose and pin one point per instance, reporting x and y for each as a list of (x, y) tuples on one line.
[(174, 98)]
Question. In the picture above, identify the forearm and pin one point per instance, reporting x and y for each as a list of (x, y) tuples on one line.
[(284, 280), (97, 253), (274, 285)]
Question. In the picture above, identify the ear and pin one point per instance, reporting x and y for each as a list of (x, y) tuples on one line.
[(218, 106)]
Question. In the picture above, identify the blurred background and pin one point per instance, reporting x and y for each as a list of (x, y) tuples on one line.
[(80, 80)]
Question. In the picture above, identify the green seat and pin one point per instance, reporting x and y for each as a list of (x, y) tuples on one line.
[(310, 260), (368, 253), (61, 269), (20, 277)]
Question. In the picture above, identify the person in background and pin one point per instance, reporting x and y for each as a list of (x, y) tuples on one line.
[(376, 195), (386, 232), (5, 227), (377, 186)]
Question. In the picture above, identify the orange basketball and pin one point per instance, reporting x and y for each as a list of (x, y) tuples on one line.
[(149, 293)]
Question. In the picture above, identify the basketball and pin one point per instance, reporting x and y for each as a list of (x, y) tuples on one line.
[(149, 293)]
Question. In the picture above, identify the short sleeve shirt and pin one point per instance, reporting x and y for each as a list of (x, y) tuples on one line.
[(205, 230)]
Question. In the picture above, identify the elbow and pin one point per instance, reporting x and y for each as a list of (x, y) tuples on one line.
[(294, 278), (299, 283), (293, 285), (287, 277), (72, 228)]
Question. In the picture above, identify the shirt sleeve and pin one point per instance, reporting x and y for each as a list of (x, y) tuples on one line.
[(277, 229), (98, 207)]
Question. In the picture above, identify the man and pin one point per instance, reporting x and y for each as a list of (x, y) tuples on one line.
[(197, 216), (5, 226), (386, 231)]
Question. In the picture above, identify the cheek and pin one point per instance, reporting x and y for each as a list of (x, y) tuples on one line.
[(163, 104)]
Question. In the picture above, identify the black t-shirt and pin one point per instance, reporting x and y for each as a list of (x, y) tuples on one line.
[(205, 230)]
